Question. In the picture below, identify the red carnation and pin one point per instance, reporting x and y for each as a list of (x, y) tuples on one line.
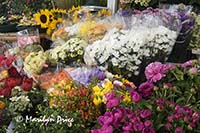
[(27, 84), (12, 82), (13, 72), (5, 91)]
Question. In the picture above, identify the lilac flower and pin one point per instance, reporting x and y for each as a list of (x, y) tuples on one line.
[(193, 70), (146, 89), (85, 75), (186, 64), (147, 123), (136, 97), (168, 126), (178, 130), (145, 113), (148, 130), (127, 126), (105, 119), (155, 71), (138, 126)]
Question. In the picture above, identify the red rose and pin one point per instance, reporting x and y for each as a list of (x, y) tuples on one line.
[(27, 84), (13, 72), (12, 82), (5, 91), (6, 62)]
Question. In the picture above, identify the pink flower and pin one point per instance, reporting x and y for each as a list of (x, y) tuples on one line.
[(145, 113), (127, 127), (146, 89), (148, 130), (111, 100), (155, 71), (147, 123), (178, 130), (136, 97), (104, 129), (138, 126), (186, 64), (106, 119), (193, 70), (168, 126)]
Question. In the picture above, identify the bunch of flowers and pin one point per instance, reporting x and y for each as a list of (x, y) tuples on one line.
[(10, 77), (49, 18), (123, 51), (86, 75), (70, 52), (74, 98), (35, 62), (195, 41)]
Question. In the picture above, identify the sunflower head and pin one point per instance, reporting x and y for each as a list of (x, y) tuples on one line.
[(43, 18)]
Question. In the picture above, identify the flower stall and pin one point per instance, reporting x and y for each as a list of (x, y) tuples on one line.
[(104, 66)]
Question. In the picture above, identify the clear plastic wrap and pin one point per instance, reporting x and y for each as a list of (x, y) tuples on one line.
[(123, 50)]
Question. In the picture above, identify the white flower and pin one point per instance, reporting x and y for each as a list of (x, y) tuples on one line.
[(24, 98), (14, 99)]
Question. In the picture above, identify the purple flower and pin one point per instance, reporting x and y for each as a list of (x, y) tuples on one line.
[(167, 85), (117, 116), (104, 129), (186, 64), (178, 130), (85, 75), (193, 70), (145, 113), (155, 71), (110, 103), (146, 89), (138, 126), (170, 118), (147, 123), (192, 125), (135, 96), (127, 126), (111, 100), (168, 126), (148, 130), (160, 101), (105, 119)]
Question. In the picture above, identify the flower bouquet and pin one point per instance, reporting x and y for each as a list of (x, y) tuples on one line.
[(123, 51)]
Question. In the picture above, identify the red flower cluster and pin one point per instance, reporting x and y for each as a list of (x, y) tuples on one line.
[(14, 79)]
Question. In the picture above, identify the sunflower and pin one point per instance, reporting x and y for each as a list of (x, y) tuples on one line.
[(43, 18), (57, 10), (53, 25)]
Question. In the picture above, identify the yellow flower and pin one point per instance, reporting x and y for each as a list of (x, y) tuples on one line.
[(75, 17), (43, 18), (96, 89), (127, 98), (52, 103), (97, 101), (49, 31), (104, 12), (57, 10), (108, 85), (105, 91), (84, 28), (2, 105), (4, 74)]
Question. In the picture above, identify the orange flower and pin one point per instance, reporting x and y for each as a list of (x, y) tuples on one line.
[(2, 105)]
